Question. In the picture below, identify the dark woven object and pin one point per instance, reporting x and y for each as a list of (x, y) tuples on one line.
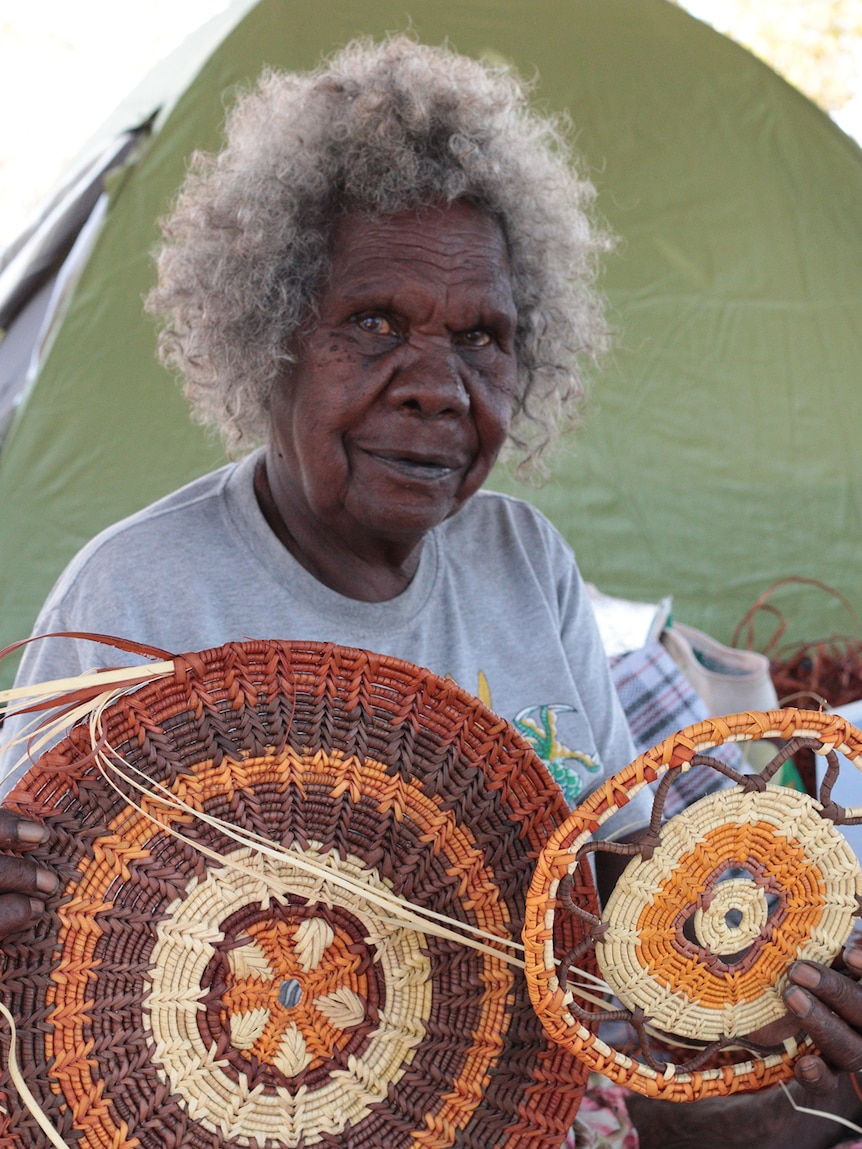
[(167, 1000), (704, 923)]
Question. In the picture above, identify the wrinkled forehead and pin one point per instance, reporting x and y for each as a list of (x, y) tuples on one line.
[(456, 248)]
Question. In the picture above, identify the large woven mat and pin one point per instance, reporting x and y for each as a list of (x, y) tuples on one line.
[(715, 905), (195, 991)]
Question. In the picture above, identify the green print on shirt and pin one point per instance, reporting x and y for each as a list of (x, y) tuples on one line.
[(541, 732)]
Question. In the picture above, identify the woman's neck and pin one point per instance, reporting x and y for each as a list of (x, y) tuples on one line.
[(339, 567)]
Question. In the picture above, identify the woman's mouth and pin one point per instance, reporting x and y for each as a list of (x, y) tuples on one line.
[(425, 468)]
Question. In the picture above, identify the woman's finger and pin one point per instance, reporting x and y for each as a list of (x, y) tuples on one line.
[(23, 876), (17, 832), (816, 1076), (839, 1043), (842, 994), (18, 912), (852, 958)]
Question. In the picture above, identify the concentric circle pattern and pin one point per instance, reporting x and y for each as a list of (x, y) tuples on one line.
[(696, 939), (687, 981), (188, 990)]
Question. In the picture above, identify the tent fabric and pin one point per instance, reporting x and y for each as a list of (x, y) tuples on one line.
[(719, 453), (37, 254), (31, 267)]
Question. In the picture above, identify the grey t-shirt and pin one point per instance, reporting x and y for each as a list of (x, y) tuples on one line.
[(497, 603)]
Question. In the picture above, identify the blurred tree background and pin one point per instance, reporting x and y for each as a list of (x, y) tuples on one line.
[(814, 44)]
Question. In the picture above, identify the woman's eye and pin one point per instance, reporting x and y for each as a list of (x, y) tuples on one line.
[(477, 338), (375, 324)]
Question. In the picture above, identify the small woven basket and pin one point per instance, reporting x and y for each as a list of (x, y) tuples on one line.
[(230, 959), (714, 907)]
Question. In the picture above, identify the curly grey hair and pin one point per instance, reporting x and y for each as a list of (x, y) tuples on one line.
[(379, 128)]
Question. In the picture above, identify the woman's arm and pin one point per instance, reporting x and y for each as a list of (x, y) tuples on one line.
[(828, 1003), (764, 1120)]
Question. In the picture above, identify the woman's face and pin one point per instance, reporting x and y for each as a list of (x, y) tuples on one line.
[(402, 394)]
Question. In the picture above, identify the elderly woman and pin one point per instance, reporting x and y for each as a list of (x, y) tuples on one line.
[(384, 278)]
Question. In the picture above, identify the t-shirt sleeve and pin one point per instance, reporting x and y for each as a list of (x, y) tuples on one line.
[(583, 646)]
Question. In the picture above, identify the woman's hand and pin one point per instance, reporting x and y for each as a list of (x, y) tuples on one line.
[(23, 884), (828, 1004)]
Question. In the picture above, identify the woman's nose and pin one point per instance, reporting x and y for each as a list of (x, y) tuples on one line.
[(430, 381)]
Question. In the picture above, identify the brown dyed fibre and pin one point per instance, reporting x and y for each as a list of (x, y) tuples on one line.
[(192, 986)]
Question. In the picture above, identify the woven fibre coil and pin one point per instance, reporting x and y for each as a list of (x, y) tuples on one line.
[(202, 993), (716, 904)]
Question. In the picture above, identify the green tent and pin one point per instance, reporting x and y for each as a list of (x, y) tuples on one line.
[(719, 453)]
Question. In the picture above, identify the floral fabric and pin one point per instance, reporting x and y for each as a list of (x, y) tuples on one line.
[(603, 1120)]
